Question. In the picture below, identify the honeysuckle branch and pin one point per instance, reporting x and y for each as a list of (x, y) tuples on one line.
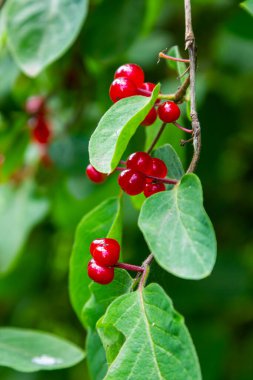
[(191, 47), (179, 94)]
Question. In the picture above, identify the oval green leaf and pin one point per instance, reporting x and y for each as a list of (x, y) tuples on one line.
[(115, 129), (39, 32), (178, 231), (168, 154), (101, 222), (30, 351), (145, 338)]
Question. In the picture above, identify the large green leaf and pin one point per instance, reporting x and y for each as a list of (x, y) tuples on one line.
[(39, 32), (101, 222), (248, 6), (30, 351), (178, 230), (115, 129), (20, 211), (171, 159), (145, 338)]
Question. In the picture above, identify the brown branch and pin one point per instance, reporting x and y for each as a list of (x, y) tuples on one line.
[(191, 46)]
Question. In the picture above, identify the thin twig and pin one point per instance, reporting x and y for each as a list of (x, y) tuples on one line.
[(156, 138), (190, 45), (170, 58)]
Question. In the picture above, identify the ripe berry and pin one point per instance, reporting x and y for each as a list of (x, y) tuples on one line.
[(146, 86), (158, 168), (105, 251), (102, 275), (122, 88), (35, 104), (131, 181), (152, 188), (131, 71), (150, 118), (94, 175), (41, 132), (140, 161), (168, 112)]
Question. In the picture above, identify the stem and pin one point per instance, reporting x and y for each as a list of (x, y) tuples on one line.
[(170, 181), (162, 55), (179, 94), (182, 128), (190, 45), (145, 273), (156, 138), (126, 266), (120, 168)]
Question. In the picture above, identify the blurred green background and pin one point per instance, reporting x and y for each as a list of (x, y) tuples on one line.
[(34, 293)]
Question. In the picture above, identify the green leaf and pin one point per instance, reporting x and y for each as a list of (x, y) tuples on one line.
[(180, 67), (248, 6), (39, 32), (171, 159), (101, 222), (184, 244), (96, 359), (145, 338), (102, 296), (30, 351), (115, 129), (20, 211)]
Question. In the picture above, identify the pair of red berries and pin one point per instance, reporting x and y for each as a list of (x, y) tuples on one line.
[(41, 131), (129, 81), (105, 253), (137, 178)]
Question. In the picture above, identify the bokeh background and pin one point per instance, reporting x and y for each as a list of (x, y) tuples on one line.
[(34, 292)]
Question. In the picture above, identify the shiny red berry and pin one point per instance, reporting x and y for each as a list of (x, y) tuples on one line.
[(100, 274), (122, 88), (35, 104), (131, 71), (147, 87), (94, 175), (140, 161), (105, 251), (168, 112), (152, 188), (132, 181), (158, 168), (150, 118)]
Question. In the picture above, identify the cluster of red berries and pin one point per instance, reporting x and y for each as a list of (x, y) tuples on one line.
[(129, 81), (143, 173), (105, 253), (40, 127)]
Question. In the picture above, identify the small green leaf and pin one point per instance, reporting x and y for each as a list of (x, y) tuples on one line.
[(184, 243), (30, 351), (39, 32), (20, 211), (96, 359), (248, 6), (101, 222), (171, 159), (102, 296), (115, 129), (145, 338)]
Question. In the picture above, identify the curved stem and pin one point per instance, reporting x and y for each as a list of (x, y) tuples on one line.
[(131, 267), (165, 56), (169, 181), (182, 128)]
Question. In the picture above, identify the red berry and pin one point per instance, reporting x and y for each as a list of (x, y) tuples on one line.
[(158, 168), (122, 88), (41, 131), (146, 86), (168, 112), (105, 251), (140, 161), (131, 71), (102, 275), (150, 118), (152, 188), (35, 104), (132, 181), (94, 175)]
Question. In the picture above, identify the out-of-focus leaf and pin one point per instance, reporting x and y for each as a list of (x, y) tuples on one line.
[(39, 32), (248, 6)]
